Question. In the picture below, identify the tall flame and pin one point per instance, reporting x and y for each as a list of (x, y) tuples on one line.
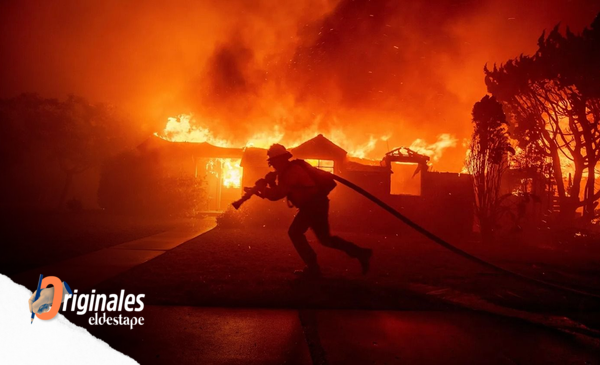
[(186, 128), (181, 129)]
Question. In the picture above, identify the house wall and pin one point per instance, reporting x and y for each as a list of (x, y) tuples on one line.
[(444, 206)]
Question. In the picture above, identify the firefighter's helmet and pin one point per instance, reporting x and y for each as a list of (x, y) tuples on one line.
[(277, 151)]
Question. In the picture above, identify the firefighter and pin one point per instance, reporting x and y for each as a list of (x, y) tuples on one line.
[(306, 188)]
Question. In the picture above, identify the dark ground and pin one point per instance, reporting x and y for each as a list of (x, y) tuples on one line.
[(35, 239), (253, 268), (234, 283), (204, 335), (223, 290)]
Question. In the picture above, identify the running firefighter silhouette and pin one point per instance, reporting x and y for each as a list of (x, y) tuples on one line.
[(306, 188)]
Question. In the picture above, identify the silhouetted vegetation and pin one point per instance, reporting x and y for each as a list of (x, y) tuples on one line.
[(552, 100), (487, 161), (134, 183), (46, 142)]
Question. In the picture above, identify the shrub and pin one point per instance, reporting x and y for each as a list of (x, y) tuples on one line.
[(134, 183)]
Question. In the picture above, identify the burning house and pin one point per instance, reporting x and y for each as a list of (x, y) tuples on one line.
[(218, 167), (402, 179)]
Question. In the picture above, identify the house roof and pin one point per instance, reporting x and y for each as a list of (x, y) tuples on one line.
[(254, 157), (319, 148), (200, 150), (404, 154)]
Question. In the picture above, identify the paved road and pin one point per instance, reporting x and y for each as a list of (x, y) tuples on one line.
[(86, 271), (177, 334), (193, 335)]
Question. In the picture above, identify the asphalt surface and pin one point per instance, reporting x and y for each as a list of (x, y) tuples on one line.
[(196, 335), (228, 297)]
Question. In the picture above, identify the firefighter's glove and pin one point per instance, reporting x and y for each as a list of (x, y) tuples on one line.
[(271, 177), (261, 185)]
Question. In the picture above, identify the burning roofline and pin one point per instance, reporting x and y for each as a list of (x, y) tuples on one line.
[(309, 147)]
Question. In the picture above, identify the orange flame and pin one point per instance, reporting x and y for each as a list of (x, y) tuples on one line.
[(186, 128), (231, 174), (183, 128), (436, 149)]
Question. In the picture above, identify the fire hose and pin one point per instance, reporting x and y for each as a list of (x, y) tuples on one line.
[(435, 238)]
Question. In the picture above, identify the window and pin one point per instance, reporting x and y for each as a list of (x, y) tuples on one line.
[(325, 165), (403, 179)]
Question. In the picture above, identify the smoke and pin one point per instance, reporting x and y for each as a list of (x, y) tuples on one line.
[(372, 75)]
